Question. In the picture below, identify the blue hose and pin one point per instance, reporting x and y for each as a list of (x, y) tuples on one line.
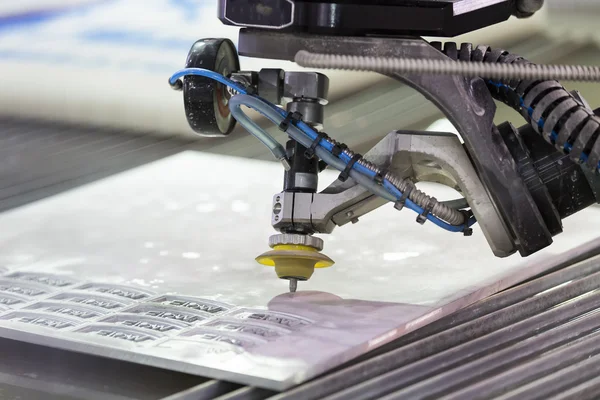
[(324, 150)]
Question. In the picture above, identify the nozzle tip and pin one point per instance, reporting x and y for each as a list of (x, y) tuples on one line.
[(293, 285), (286, 164)]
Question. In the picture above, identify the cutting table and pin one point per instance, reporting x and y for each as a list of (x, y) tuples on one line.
[(536, 338)]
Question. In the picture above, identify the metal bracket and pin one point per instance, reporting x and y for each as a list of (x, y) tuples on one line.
[(466, 102), (422, 157)]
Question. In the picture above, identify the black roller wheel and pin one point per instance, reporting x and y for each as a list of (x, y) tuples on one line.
[(207, 101)]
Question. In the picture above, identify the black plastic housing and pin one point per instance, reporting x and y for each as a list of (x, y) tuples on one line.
[(442, 18), (558, 185)]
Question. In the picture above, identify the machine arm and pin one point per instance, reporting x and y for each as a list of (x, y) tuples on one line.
[(514, 181)]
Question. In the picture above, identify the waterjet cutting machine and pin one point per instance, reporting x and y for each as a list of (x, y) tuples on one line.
[(517, 184)]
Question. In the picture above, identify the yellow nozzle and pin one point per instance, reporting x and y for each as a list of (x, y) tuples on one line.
[(294, 261)]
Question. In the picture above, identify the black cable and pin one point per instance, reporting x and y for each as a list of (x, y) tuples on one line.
[(548, 107)]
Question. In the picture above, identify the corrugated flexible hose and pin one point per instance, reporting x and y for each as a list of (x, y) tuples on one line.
[(391, 65), (531, 89)]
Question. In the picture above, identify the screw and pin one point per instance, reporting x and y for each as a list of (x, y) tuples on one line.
[(350, 214)]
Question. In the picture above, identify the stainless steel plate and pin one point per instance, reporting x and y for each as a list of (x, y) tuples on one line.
[(156, 266)]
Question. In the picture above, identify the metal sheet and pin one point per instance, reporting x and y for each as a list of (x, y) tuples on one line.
[(156, 266)]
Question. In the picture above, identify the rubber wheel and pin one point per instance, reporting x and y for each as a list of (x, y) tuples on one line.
[(206, 101)]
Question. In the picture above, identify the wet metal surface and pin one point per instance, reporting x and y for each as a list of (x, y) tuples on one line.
[(156, 266)]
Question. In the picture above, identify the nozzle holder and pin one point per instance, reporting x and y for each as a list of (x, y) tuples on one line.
[(295, 239), (294, 261)]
